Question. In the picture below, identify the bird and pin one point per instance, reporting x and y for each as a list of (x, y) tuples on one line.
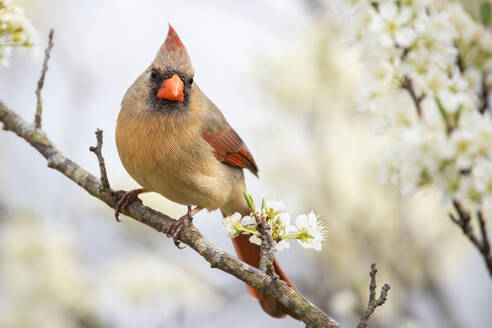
[(174, 141)]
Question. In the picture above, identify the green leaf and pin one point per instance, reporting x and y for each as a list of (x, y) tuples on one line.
[(249, 200), (442, 111), (457, 115), (485, 12)]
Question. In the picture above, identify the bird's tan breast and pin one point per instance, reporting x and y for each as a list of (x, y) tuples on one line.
[(167, 155)]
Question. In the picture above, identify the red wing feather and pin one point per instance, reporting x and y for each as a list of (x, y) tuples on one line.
[(229, 148)]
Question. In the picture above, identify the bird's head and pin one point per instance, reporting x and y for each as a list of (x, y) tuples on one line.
[(170, 76)]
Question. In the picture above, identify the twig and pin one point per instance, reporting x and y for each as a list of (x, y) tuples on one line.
[(463, 220), (267, 248), (484, 96), (311, 315), (459, 62), (373, 302), (483, 231), (407, 84), (39, 105), (102, 166)]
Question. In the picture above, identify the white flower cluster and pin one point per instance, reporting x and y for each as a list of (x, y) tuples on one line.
[(426, 79), (308, 230), (15, 31)]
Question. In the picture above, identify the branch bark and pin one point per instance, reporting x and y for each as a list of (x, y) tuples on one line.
[(407, 84), (311, 315), (39, 104), (267, 248), (484, 95), (102, 166), (482, 243), (373, 302)]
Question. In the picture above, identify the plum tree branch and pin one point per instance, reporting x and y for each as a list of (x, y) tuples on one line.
[(407, 84), (311, 315), (482, 243), (267, 248), (373, 302), (102, 166), (484, 96), (39, 103)]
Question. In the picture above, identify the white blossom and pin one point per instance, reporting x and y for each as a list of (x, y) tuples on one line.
[(314, 230), (308, 230), (440, 138), (15, 31), (275, 205), (392, 24), (255, 240), (248, 221), (281, 245), (231, 223), (282, 225)]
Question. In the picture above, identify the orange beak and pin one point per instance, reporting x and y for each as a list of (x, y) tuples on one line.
[(172, 89)]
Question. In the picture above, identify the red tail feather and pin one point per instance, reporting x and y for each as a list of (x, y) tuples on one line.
[(250, 254)]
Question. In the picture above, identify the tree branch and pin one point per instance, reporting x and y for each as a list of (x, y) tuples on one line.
[(463, 220), (102, 166), (39, 105), (278, 289), (373, 302), (483, 232), (267, 248), (407, 84), (484, 95)]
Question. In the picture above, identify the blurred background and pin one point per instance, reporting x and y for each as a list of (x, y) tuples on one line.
[(284, 77)]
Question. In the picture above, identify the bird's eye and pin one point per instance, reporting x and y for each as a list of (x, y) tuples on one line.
[(153, 74), (190, 81)]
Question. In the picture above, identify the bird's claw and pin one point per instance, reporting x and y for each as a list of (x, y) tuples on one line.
[(176, 228), (126, 198)]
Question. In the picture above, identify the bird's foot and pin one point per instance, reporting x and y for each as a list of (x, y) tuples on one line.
[(175, 229), (126, 198)]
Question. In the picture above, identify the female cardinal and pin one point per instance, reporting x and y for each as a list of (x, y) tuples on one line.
[(174, 141)]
